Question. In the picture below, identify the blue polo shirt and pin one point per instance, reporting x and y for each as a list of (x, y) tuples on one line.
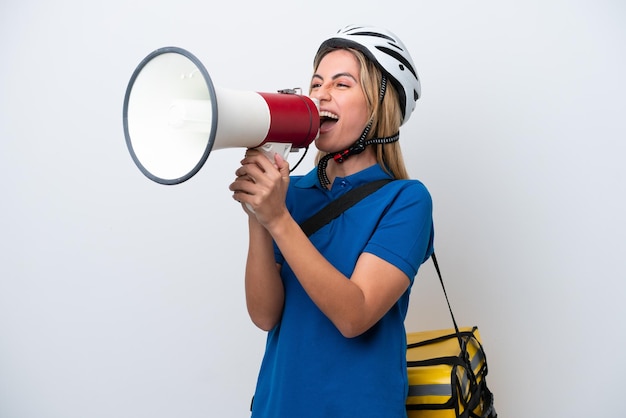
[(309, 368)]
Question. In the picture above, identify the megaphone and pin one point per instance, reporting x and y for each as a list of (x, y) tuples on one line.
[(174, 117)]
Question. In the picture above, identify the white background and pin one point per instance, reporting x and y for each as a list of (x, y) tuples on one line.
[(123, 298)]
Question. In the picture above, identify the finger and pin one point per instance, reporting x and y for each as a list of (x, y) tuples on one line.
[(253, 157), (249, 171), (241, 199), (242, 185), (263, 161), (281, 164), (251, 152)]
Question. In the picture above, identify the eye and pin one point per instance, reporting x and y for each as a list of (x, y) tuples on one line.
[(344, 82), (316, 82)]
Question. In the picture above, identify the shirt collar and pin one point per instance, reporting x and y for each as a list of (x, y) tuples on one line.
[(369, 174)]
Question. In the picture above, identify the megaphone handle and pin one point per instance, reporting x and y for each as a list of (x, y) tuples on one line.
[(270, 149)]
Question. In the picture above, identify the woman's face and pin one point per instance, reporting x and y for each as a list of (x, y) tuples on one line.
[(343, 105)]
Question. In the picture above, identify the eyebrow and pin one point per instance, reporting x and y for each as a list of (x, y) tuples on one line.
[(336, 76)]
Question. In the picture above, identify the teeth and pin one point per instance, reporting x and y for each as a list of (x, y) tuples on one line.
[(327, 114)]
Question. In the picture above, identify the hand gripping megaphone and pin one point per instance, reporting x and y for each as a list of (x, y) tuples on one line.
[(174, 117)]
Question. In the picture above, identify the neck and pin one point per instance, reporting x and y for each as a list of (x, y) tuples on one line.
[(352, 165)]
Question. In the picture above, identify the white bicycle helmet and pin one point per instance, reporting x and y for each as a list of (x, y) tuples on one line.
[(389, 53)]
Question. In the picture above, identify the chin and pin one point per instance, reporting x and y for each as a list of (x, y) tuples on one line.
[(322, 144), (326, 143)]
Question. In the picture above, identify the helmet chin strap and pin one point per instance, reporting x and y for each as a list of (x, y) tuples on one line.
[(340, 157), (358, 147)]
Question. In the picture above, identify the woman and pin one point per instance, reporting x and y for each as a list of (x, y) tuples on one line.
[(334, 304)]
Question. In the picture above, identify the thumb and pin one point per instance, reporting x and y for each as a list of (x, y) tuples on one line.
[(281, 164)]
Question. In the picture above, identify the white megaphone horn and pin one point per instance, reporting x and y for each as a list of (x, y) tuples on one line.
[(174, 117)]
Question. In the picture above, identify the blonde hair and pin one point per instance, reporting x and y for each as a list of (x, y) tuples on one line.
[(386, 116)]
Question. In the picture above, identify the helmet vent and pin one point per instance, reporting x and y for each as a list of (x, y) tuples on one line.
[(399, 57), (376, 34)]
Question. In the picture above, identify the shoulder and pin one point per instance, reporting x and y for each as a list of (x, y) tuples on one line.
[(410, 184), (410, 190)]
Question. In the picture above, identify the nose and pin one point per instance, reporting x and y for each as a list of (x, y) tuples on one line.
[(321, 93)]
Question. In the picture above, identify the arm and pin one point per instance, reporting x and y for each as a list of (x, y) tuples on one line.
[(263, 285), (353, 304)]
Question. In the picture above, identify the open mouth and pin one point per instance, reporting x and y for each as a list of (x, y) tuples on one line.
[(327, 120)]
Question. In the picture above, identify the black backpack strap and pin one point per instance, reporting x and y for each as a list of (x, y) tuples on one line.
[(456, 327), (339, 205)]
